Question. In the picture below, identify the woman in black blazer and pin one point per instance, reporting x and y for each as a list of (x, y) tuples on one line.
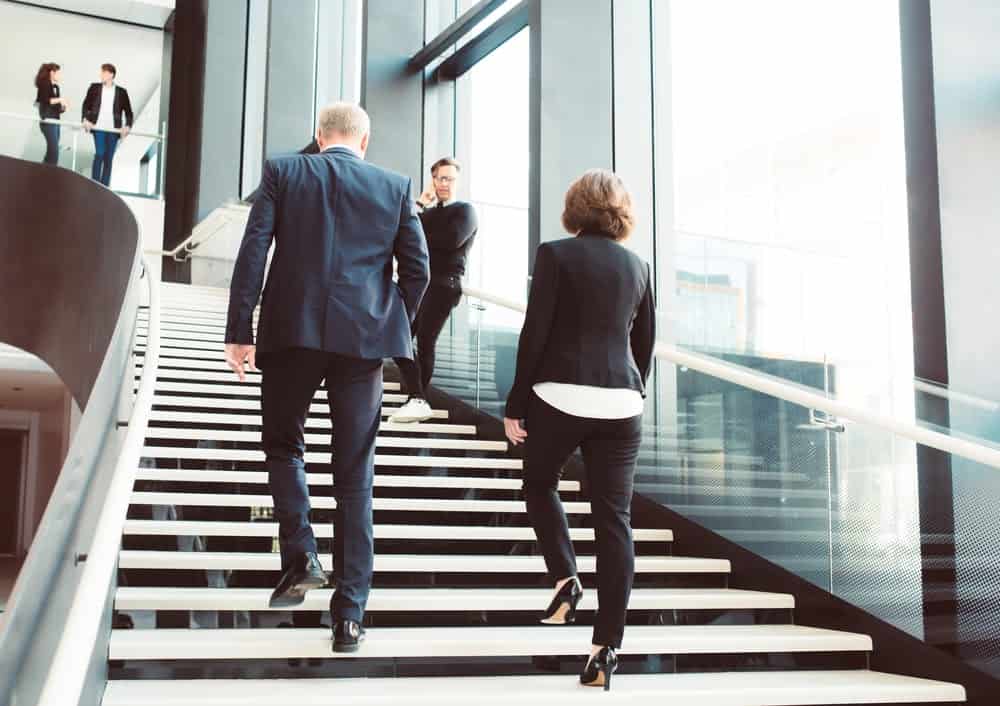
[(582, 363), (51, 104)]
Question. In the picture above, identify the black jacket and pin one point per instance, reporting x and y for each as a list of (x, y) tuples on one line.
[(46, 92), (337, 221), (590, 319), (92, 105)]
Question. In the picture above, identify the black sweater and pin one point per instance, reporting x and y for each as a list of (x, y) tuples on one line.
[(450, 231)]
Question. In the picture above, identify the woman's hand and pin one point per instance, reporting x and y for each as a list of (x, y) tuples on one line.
[(514, 428)]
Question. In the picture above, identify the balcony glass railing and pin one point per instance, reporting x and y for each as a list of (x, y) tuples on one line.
[(896, 513), (138, 164)]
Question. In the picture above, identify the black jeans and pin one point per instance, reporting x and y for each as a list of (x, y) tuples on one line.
[(51, 133), (610, 448), (439, 301), (354, 386)]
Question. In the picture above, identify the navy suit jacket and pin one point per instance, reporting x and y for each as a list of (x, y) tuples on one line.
[(337, 222)]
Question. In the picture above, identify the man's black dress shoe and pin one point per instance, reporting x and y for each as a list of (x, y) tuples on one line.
[(305, 573), (347, 636)]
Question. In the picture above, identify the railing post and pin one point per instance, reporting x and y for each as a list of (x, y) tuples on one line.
[(76, 144), (162, 176)]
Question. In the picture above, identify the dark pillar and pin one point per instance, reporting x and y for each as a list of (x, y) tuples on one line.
[(184, 54), (930, 355)]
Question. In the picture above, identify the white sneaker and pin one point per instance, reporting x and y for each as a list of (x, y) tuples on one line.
[(415, 410)]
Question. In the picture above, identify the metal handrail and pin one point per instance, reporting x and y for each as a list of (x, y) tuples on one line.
[(745, 377), (186, 247), (75, 125), (68, 671)]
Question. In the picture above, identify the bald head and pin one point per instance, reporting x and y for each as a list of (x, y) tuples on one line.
[(343, 124)]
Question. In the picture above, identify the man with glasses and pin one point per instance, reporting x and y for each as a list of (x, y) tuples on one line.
[(450, 226)]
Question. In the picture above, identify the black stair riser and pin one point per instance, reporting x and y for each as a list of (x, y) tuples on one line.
[(474, 666), (267, 579), (470, 618), (388, 546)]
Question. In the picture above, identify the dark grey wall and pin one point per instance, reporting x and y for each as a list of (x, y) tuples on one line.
[(291, 76), (572, 130), (222, 105), (391, 93)]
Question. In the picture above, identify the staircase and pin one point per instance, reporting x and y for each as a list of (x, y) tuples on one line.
[(458, 584)]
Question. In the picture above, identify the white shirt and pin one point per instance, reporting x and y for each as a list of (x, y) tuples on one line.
[(343, 147), (591, 402), (106, 118)]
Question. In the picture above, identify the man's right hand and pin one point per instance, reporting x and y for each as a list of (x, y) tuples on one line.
[(236, 354), (428, 197), (87, 125)]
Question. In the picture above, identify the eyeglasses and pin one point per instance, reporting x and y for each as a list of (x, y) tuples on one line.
[(445, 179)]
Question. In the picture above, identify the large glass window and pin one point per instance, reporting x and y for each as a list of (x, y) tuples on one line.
[(782, 244), (493, 146), (788, 233)]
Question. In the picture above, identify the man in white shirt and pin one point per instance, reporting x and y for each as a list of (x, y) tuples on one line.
[(103, 110)]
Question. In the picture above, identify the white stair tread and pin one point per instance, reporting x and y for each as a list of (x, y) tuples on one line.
[(381, 481), (204, 454), (253, 376), (164, 415), (277, 643), (770, 688), (253, 437), (236, 404), (238, 389), (192, 373), (174, 346), (448, 368), (207, 528), (447, 599), (329, 503), (409, 563), (211, 338)]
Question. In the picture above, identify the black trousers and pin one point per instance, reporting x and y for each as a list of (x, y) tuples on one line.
[(609, 449), (436, 307), (354, 388)]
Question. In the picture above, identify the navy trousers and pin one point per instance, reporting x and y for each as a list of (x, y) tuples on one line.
[(105, 144), (354, 387)]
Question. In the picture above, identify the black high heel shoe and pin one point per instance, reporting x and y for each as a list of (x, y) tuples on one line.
[(562, 609), (600, 668)]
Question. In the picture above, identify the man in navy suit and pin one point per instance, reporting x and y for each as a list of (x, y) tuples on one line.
[(330, 313)]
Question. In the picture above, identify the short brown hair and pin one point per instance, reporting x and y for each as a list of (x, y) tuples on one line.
[(445, 162), (598, 202), (110, 68)]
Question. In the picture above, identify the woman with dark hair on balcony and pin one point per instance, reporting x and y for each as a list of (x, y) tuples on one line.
[(51, 105), (582, 363)]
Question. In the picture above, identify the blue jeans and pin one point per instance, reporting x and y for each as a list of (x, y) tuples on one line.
[(104, 151), (354, 387), (51, 133)]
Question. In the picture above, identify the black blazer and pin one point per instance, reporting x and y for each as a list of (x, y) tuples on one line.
[(337, 222), (590, 319), (46, 92), (92, 105)]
